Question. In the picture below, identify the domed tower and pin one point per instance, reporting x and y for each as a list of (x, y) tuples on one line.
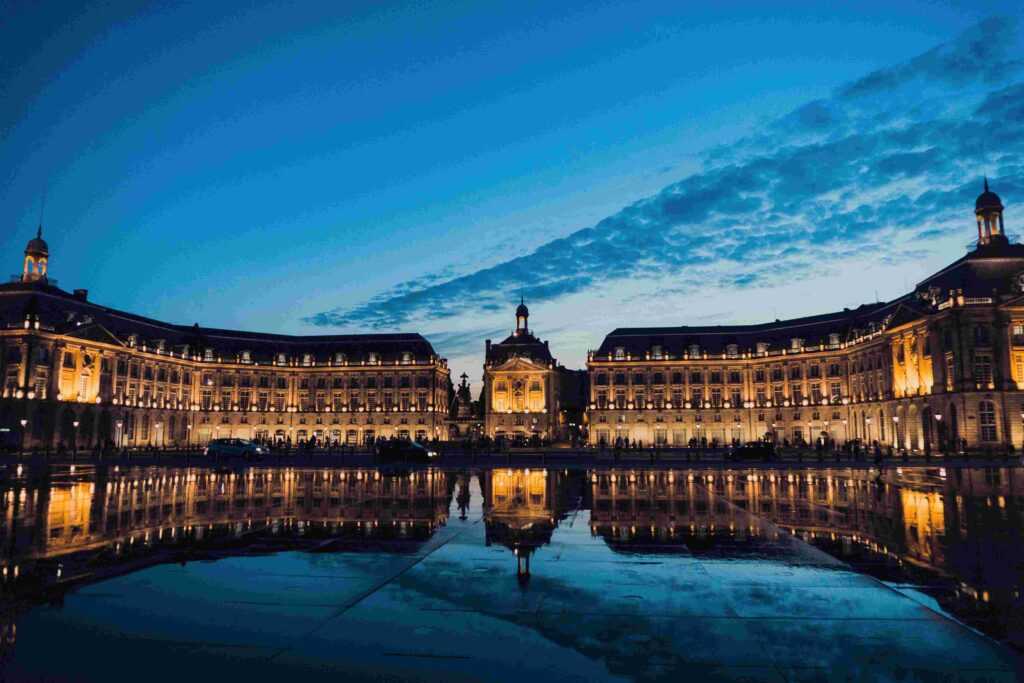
[(37, 256), (522, 315), (989, 211)]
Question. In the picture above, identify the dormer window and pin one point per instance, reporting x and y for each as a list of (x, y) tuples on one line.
[(282, 359), (133, 340), (406, 358), (656, 352), (373, 357), (762, 347), (339, 358), (307, 359), (620, 353), (694, 350), (184, 351), (833, 340), (796, 343), (159, 345), (208, 354), (732, 350), (246, 356)]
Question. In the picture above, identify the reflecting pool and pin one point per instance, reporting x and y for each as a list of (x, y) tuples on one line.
[(784, 573)]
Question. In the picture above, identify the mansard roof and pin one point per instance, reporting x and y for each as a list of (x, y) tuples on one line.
[(67, 313), (986, 270), (521, 345), (715, 339)]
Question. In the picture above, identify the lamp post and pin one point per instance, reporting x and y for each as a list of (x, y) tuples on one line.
[(74, 439), (896, 431), (188, 439), (120, 433), (24, 425), (938, 428), (159, 425)]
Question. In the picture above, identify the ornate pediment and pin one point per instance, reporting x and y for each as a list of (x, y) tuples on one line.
[(94, 332), (519, 363)]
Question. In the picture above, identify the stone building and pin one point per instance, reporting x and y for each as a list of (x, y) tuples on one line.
[(526, 392), (939, 365), (75, 372)]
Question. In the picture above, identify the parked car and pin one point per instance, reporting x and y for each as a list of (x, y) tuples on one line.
[(405, 451), (231, 448), (754, 450)]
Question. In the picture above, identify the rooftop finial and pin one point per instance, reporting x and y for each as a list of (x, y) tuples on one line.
[(42, 208), (986, 183)]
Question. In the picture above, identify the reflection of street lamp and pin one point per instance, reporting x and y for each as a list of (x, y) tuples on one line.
[(74, 438), (24, 424)]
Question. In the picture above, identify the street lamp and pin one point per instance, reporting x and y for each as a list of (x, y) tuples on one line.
[(74, 438), (189, 435), (120, 433), (158, 426), (24, 424)]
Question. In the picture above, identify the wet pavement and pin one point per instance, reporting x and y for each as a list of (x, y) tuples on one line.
[(493, 575)]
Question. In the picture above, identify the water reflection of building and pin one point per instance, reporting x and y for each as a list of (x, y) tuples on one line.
[(113, 510), (961, 524), (520, 510)]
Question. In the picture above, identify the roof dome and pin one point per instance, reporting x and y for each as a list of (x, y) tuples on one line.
[(988, 200), (522, 310), (37, 245)]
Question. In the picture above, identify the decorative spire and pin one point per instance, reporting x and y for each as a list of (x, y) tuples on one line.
[(986, 183)]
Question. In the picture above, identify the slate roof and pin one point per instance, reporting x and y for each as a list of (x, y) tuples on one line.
[(988, 270), (68, 314), (523, 346), (778, 335)]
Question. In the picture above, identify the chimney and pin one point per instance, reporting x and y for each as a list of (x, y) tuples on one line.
[(81, 294)]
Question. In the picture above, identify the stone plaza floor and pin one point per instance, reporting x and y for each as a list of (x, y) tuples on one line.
[(764, 606)]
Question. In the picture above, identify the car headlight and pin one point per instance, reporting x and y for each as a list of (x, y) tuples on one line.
[(431, 454)]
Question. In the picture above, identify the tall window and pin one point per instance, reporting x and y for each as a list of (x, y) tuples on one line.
[(983, 368), (987, 420)]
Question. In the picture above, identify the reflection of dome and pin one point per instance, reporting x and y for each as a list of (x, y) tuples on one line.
[(988, 200)]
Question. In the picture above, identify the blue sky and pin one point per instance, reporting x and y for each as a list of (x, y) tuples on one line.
[(318, 167)]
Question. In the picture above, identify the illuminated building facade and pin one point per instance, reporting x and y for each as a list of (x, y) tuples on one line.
[(939, 366), (75, 372), (526, 392)]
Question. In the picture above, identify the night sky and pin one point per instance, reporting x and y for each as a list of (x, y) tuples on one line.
[(316, 167)]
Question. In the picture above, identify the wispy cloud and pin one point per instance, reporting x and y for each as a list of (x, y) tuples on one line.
[(885, 164)]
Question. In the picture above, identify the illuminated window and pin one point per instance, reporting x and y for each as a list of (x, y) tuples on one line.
[(208, 354), (620, 353)]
